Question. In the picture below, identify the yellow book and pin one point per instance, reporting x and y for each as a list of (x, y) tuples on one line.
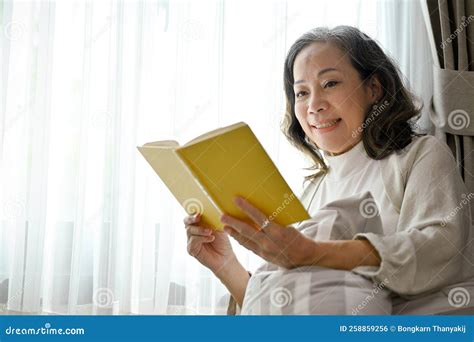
[(208, 172)]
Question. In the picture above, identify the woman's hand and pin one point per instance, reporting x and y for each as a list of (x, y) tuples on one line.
[(213, 249), (280, 245), (287, 247), (210, 247)]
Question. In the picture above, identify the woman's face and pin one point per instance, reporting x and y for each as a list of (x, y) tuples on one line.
[(329, 91)]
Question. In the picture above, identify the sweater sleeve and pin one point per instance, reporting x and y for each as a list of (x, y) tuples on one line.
[(430, 247)]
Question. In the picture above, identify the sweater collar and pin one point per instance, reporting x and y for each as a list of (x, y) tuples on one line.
[(348, 163)]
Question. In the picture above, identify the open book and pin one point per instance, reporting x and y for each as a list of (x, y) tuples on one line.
[(207, 173)]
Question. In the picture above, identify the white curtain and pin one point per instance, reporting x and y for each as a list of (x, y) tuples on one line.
[(86, 226), (404, 37)]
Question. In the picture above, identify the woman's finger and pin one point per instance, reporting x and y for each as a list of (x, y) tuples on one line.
[(242, 228), (243, 241), (195, 242), (198, 230), (253, 212), (190, 219)]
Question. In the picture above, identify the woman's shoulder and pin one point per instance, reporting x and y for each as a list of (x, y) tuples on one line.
[(424, 151), (422, 147), (424, 158), (425, 142)]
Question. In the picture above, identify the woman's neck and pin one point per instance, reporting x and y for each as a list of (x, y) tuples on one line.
[(333, 154)]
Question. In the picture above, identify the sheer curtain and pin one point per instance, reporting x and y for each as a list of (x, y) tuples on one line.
[(86, 226)]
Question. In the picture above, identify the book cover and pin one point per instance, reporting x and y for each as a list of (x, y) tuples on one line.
[(207, 173)]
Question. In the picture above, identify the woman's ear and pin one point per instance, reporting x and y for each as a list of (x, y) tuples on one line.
[(375, 89)]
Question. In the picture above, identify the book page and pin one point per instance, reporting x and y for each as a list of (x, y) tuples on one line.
[(164, 143), (215, 132), (182, 184)]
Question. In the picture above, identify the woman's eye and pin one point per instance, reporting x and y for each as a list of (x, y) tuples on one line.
[(300, 93), (330, 84)]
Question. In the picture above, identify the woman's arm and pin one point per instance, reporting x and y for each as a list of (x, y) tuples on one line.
[(332, 254), (432, 246), (289, 248), (340, 254), (235, 278)]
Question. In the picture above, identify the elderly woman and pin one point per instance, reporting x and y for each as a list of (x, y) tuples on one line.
[(349, 111)]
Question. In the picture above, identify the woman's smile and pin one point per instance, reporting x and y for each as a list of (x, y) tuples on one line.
[(327, 126)]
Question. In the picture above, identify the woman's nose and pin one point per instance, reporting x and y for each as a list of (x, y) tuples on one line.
[(317, 104)]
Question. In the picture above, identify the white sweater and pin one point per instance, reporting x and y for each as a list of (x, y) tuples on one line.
[(427, 240)]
